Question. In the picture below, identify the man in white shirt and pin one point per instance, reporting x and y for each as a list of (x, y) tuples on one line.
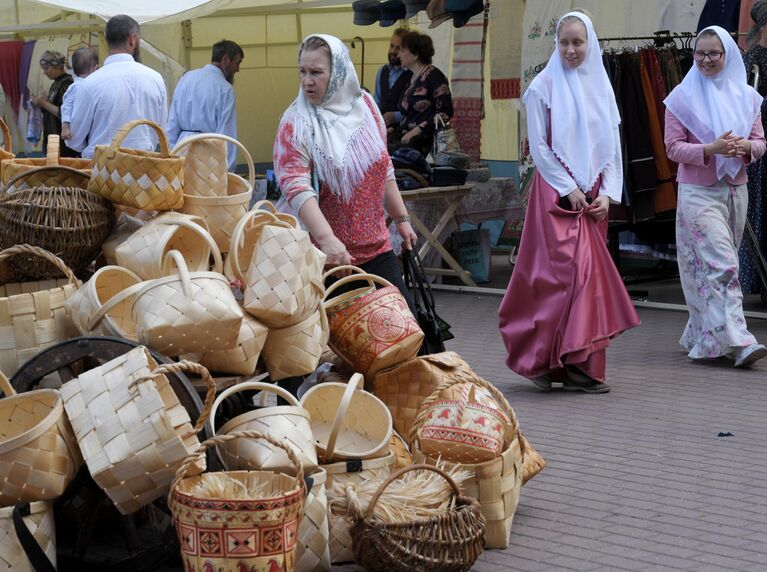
[(121, 91), (204, 100)]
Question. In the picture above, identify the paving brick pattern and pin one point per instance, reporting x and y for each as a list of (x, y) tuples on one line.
[(638, 479)]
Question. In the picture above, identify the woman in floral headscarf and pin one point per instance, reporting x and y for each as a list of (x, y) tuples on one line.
[(334, 130), (53, 65)]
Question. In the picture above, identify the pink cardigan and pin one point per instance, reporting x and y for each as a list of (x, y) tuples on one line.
[(684, 148)]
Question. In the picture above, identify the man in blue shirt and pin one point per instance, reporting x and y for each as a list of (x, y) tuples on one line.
[(391, 82)]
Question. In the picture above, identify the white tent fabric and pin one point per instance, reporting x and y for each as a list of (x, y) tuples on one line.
[(143, 11)]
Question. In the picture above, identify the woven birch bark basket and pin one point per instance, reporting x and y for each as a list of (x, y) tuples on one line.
[(38, 520), (76, 172)]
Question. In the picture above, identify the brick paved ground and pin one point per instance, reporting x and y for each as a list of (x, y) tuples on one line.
[(637, 478)]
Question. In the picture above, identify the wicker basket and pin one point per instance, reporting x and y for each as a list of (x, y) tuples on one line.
[(375, 331), (145, 251), (190, 313), (256, 535), (290, 423), (125, 226), (76, 173), (69, 221), (404, 387), (205, 164), (6, 152), (37, 518), (313, 550), (132, 430), (246, 234), (106, 283), (350, 472), (449, 542), (33, 314), (242, 359), (401, 451), (348, 422), (342, 301), (296, 350), (534, 462), (145, 180), (38, 452)]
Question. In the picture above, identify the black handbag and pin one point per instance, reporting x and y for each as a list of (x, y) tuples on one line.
[(436, 330), (37, 558)]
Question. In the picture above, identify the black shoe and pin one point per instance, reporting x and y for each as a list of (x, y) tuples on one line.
[(542, 382), (577, 380)]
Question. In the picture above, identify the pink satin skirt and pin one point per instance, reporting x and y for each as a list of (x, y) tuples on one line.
[(565, 300)]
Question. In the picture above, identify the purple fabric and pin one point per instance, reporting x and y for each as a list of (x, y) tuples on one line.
[(24, 65)]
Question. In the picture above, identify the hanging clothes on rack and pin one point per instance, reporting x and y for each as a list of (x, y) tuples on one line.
[(10, 56)]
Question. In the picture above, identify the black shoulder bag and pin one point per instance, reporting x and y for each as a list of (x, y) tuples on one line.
[(436, 330)]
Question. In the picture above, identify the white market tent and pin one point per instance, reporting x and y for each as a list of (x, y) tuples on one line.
[(177, 35)]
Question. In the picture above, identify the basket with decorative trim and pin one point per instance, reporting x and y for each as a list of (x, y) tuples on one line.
[(33, 315), (37, 521), (146, 180), (290, 423), (39, 456), (132, 430), (344, 300), (296, 350), (254, 534)]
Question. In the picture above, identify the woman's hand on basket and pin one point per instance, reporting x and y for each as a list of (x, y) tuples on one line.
[(337, 254), (408, 235), (598, 209)]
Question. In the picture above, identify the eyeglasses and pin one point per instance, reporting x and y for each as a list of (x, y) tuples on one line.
[(713, 56)]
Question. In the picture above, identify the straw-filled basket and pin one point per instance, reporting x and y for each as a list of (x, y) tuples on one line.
[(189, 313), (256, 531), (290, 423), (313, 550), (496, 483), (376, 330), (147, 180), (106, 283), (339, 475), (222, 202), (76, 172), (132, 430), (145, 251), (69, 221), (296, 350), (347, 421), (39, 456), (33, 314), (242, 359), (447, 542), (6, 151), (404, 387), (36, 524)]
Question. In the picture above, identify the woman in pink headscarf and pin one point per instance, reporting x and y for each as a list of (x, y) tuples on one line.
[(566, 299)]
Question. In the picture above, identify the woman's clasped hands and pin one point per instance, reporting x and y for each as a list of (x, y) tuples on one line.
[(728, 145), (597, 209)]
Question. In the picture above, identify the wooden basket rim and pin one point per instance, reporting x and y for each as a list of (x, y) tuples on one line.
[(35, 507), (32, 433)]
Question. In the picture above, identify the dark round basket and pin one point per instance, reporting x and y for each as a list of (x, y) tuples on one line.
[(70, 222)]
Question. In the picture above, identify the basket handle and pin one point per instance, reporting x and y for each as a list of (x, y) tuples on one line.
[(218, 262), (264, 387), (219, 440), (346, 399), (107, 306), (192, 367), (204, 136), (397, 474), (183, 270), (238, 236), (268, 206), (42, 253), (52, 150), (130, 126), (6, 386), (353, 278), (7, 139), (48, 169), (354, 269)]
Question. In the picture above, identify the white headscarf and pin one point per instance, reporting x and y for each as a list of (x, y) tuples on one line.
[(583, 110), (711, 106), (341, 133)]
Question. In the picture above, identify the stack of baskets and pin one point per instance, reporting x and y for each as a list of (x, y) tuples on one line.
[(76, 172)]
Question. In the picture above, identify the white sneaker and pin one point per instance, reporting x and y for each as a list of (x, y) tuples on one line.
[(744, 357)]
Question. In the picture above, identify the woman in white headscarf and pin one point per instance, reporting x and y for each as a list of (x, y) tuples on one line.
[(334, 132), (566, 299), (714, 130)]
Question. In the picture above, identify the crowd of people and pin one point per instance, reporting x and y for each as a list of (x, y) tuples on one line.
[(565, 300)]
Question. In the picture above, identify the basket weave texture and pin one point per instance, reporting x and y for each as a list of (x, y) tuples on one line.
[(33, 314), (40, 524), (313, 550), (257, 535), (132, 430), (289, 423), (75, 174), (296, 350), (205, 165), (242, 359), (39, 456), (69, 221), (145, 180), (449, 542), (6, 152)]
